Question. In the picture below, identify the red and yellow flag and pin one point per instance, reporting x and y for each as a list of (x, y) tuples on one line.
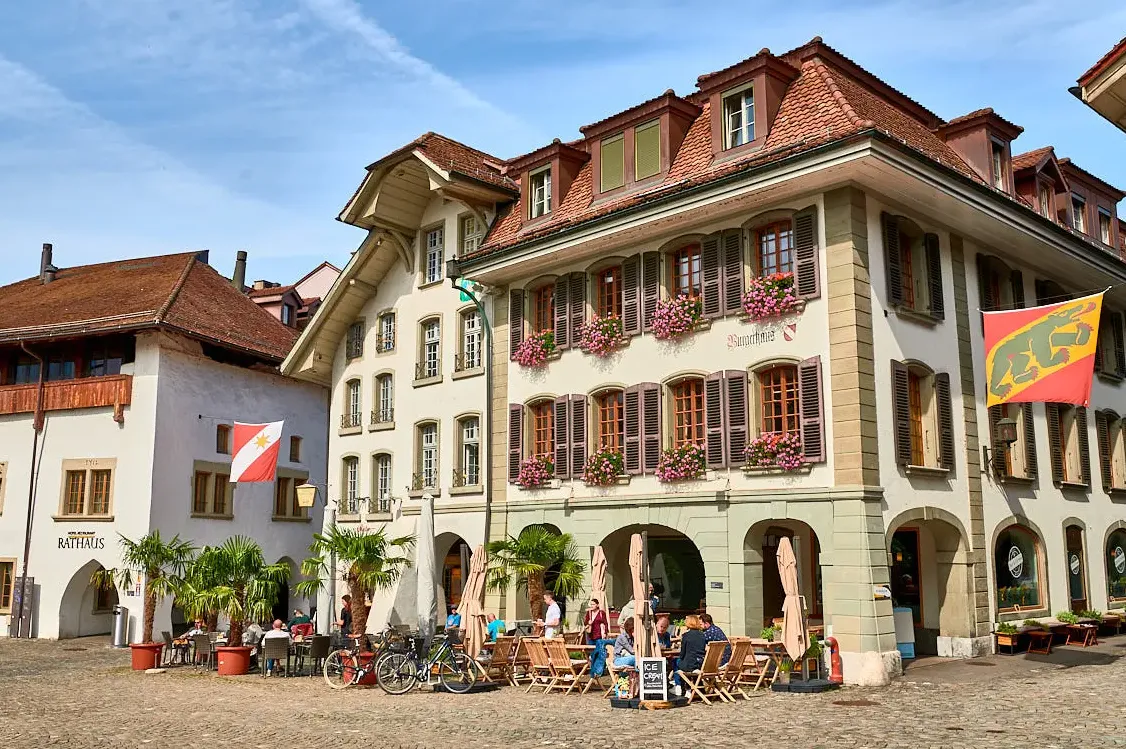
[(1043, 354)]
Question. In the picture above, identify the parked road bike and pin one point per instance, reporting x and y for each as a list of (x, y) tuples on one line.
[(398, 672), (344, 668)]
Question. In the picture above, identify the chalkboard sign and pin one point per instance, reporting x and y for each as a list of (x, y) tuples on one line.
[(654, 685)]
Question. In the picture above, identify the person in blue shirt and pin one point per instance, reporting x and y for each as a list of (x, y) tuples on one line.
[(453, 621), (712, 633), (664, 636), (496, 627)]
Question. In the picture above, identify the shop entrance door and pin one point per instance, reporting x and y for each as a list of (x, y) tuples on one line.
[(906, 582), (1076, 577)]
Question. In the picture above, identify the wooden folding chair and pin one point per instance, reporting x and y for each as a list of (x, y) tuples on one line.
[(760, 668), (707, 679), (733, 669), (520, 660), (573, 638), (540, 667), (567, 671), (500, 665)]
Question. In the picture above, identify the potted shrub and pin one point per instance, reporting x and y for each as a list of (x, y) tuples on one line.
[(676, 317), (812, 656), (162, 563), (784, 671), (1094, 615), (681, 464), (601, 336), (534, 350), (771, 296), (768, 633), (1006, 635), (1067, 617), (603, 467), (1032, 624)]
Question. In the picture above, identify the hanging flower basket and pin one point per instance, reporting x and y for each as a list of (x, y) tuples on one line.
[(535, 472), (775, 450), (681, 464), (534, 350), (603, 467), (676, 317), (771, 296), (601, 336)]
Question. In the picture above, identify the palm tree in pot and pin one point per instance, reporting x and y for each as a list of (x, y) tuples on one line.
[(369, 562), (528, 558)]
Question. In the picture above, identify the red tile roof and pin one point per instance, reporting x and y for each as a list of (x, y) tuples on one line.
[(180, 292), (1067, 163), (270, 291), (1115, 52), (1030, 159), (456, 157)]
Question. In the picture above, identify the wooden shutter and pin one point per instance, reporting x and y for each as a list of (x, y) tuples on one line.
[(901, 406), (650, 287), (647, 150), (1029, 438), (714, 413), (710, 273), (1052, 411), (613, 158), (578, 435), (631, 295), (1116, 335), (892, 259), (945, 420), (1017, 281), (631, 411), (807, 273), (650, 425), (562, 312), (733, 272), (1084, 444), (515, 439), (577, 310), (985, 289), (934, 275), (735, 398), (1102, 439), (562, 426), (515, 319), (811, 410), (1000, 465)]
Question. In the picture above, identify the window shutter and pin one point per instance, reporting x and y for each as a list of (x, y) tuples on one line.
[(1029, 438), (1102, 437), (650, 425), (515, 319), (613, 158), (1000, 469), (578, 306), (1084, 444), (892, 259), (985, 289), (631, 409), (562, 437), (710, 275), (578, 435), (647, 150), (901, 403), (807, 274), (1017, 281), (1099, 367), (1054, 447), (562, 312), (650, 287), (811, 410), (714, 409), (631, 295), (735, 398), (515, 439), (1120, 352), (732, 272), (945, 421), (934, 275)]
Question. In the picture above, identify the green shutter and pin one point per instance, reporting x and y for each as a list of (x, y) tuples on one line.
[(647, 149), (613, 163)]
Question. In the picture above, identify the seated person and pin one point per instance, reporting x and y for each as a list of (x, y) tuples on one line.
[(496, 627), (624, 656), (664, 636), (453, 621), (692, 644), (298, 617), (276, 632), (712, 633)]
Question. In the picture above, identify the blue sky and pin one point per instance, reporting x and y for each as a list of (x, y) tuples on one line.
[(139, 127)]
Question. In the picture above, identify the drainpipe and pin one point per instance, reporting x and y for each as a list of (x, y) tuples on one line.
[(37, 427)]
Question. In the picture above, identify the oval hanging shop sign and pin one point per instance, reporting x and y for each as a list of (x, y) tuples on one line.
[(1119, 559), (1016, 562), (1073, 564)]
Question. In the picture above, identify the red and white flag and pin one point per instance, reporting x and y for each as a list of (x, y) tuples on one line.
[(256, 452)]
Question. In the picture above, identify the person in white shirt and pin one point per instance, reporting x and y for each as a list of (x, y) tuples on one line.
[(277, 631), (551, 618)]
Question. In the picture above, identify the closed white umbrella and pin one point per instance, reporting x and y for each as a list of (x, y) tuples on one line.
[(472, 608), (794, 636), (424, 564)]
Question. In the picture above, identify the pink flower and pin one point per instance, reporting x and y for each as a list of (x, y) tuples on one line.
[(603, 467), (770, 296), (601, 336), (535, 471), (681, 464), (534, 350), (776, 450), (675, 317)]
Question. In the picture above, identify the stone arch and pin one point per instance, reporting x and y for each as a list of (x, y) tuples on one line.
[(82, 612), (1044, 574), (762, 598), (451, 560), (676, 568), (1115, 580)]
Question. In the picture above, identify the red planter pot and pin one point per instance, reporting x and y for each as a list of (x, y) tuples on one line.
[(233, 660), (146, 655), (369, 678)]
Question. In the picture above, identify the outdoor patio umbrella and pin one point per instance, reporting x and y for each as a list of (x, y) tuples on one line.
[(644, 628), (472, 608), (794, 636), (598, 579), (424, 564)]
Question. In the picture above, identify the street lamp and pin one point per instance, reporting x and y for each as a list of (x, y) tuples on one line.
[(306, 494), (1004, 435), (307, 497)]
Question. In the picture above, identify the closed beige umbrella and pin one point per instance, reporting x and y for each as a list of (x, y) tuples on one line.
[(794, 636), (644, 628), (598, 579), (472, 607)]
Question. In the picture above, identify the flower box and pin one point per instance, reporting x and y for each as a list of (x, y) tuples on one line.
[(684, 463), (535, 350), (602, 336), (775, 450), (676, 317), (603, 467), (771, 296), (535, 472)]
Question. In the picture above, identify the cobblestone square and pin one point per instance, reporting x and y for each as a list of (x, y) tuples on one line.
[(81, 694)]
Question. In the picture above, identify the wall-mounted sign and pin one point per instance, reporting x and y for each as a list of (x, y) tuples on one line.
[(1073, 564), (1119, 559), (716, 585), (1016, 562), (81, 540), (785, 331), (654, 685), (881, 592)]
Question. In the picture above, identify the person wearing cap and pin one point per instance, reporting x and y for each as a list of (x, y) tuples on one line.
[(453, 621)]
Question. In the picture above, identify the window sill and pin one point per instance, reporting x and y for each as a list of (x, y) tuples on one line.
[(82, 518), (551, 484), (467, 373), (424, 381), (382, 426), (621, 480), (1109, 378), (795, 312), (457, 491), (350, 430), (1018, 480), (211, 516), (430, 284), (379, 351), (741, 151), (1073, 485), (417, 493), (911, 315), (288, 519), (776, 471), (927, 471), (622, 343), (1117, 492), (347, 518), (1018, 614)]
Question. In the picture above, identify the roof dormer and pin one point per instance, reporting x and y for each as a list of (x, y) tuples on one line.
[(983, 139), (1039, 180)]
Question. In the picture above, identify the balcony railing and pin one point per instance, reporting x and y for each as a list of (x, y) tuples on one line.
[(347, 421), (384, 342), (65, 395), (422, 372), (462, 363), (418, 482), (379, 506), (382, 416)]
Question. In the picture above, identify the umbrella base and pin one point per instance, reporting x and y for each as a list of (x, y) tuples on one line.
[(480, 686), (810, 686), (636, 704)]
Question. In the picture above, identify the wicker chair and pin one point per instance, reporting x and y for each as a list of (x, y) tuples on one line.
[(274, 649), (319, 648)]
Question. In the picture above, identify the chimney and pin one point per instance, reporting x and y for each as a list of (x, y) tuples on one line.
[(239, 279), (47, 269)]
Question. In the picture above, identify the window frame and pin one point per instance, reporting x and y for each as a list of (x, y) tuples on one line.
[(382, 334), (1079, 213), (537, 297), (378, 477), (422, 450), (287, 499), (601, 295), (88, 467), (465, 459), (7, 587), (295, 444), (223, 439), (287, 314), (691, 254), (1120, 578), (353, 404), (790, 397), (433, 251), (539, 192), (997, 164), (746, 128), (384, 411), (1106, 238), (469, 241), (349, 484), (1038, 560), (429, 349), (470, 340), (687, 425), (618, 139), (1047, 206), (606, 413), (541, 431), (777, 252), (354, 340), (207, 479)]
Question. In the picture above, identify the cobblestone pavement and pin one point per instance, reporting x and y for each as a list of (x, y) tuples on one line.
[(80, 694)]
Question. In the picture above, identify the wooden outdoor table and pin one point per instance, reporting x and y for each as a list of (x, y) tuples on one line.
[(1040, 641), (1083, 635)]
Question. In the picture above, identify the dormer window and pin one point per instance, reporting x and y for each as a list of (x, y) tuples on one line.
[(540, 202), (1078, 213), (647, 149), (998, 154), (613, 162), (1045, 200), (739, 117), (1104, 226)]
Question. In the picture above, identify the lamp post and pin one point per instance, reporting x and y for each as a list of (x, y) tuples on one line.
[(326, 597)]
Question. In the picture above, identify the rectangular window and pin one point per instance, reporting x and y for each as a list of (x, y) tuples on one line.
[(221, 494), (287, 314), (435, 250), (354, 347), (281, 496), (7, 585), (386, 340), (429, 442), (688, 412), (739, 118), (104, 360), (613, 156), (385, 412), (383, 482), (998, 154), (294, 449), (778, 400), (472, 231), (431, 348), (539, 196), (543, 308), (60, 369), (775, 248), (75, 493), (543, 432), (647, 149), (352, 405), (1078, 213), (915, 396), (1104, 226), (26, 372), (223, 439), (470, 339), (609, 292), (1046, 200), (1069, 445), (470, 451), (611, 421), (686, 272), (199, 492), (351, 485), (99, 492)]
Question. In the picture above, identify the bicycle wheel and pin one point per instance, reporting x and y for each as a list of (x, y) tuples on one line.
[(457, 674), (395, 673), (341, 669)]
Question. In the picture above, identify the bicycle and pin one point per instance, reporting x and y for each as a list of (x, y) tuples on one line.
[(343, 668), (400, 672)]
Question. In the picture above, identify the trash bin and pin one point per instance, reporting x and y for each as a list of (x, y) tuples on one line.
[(120, 626)]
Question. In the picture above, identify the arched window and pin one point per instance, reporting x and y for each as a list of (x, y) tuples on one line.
[(381, 482), (1116, 566), (687, 396), (384, 412), (686, 271), (774, 245), (351, 416), (610, 420), (1017, 570), (542, 416), (223, 439), (778, 399), (430, 349)]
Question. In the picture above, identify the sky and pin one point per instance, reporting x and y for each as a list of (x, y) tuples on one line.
[(140, 127)]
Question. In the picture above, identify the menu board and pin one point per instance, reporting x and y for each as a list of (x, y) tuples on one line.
[(654, 684)]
